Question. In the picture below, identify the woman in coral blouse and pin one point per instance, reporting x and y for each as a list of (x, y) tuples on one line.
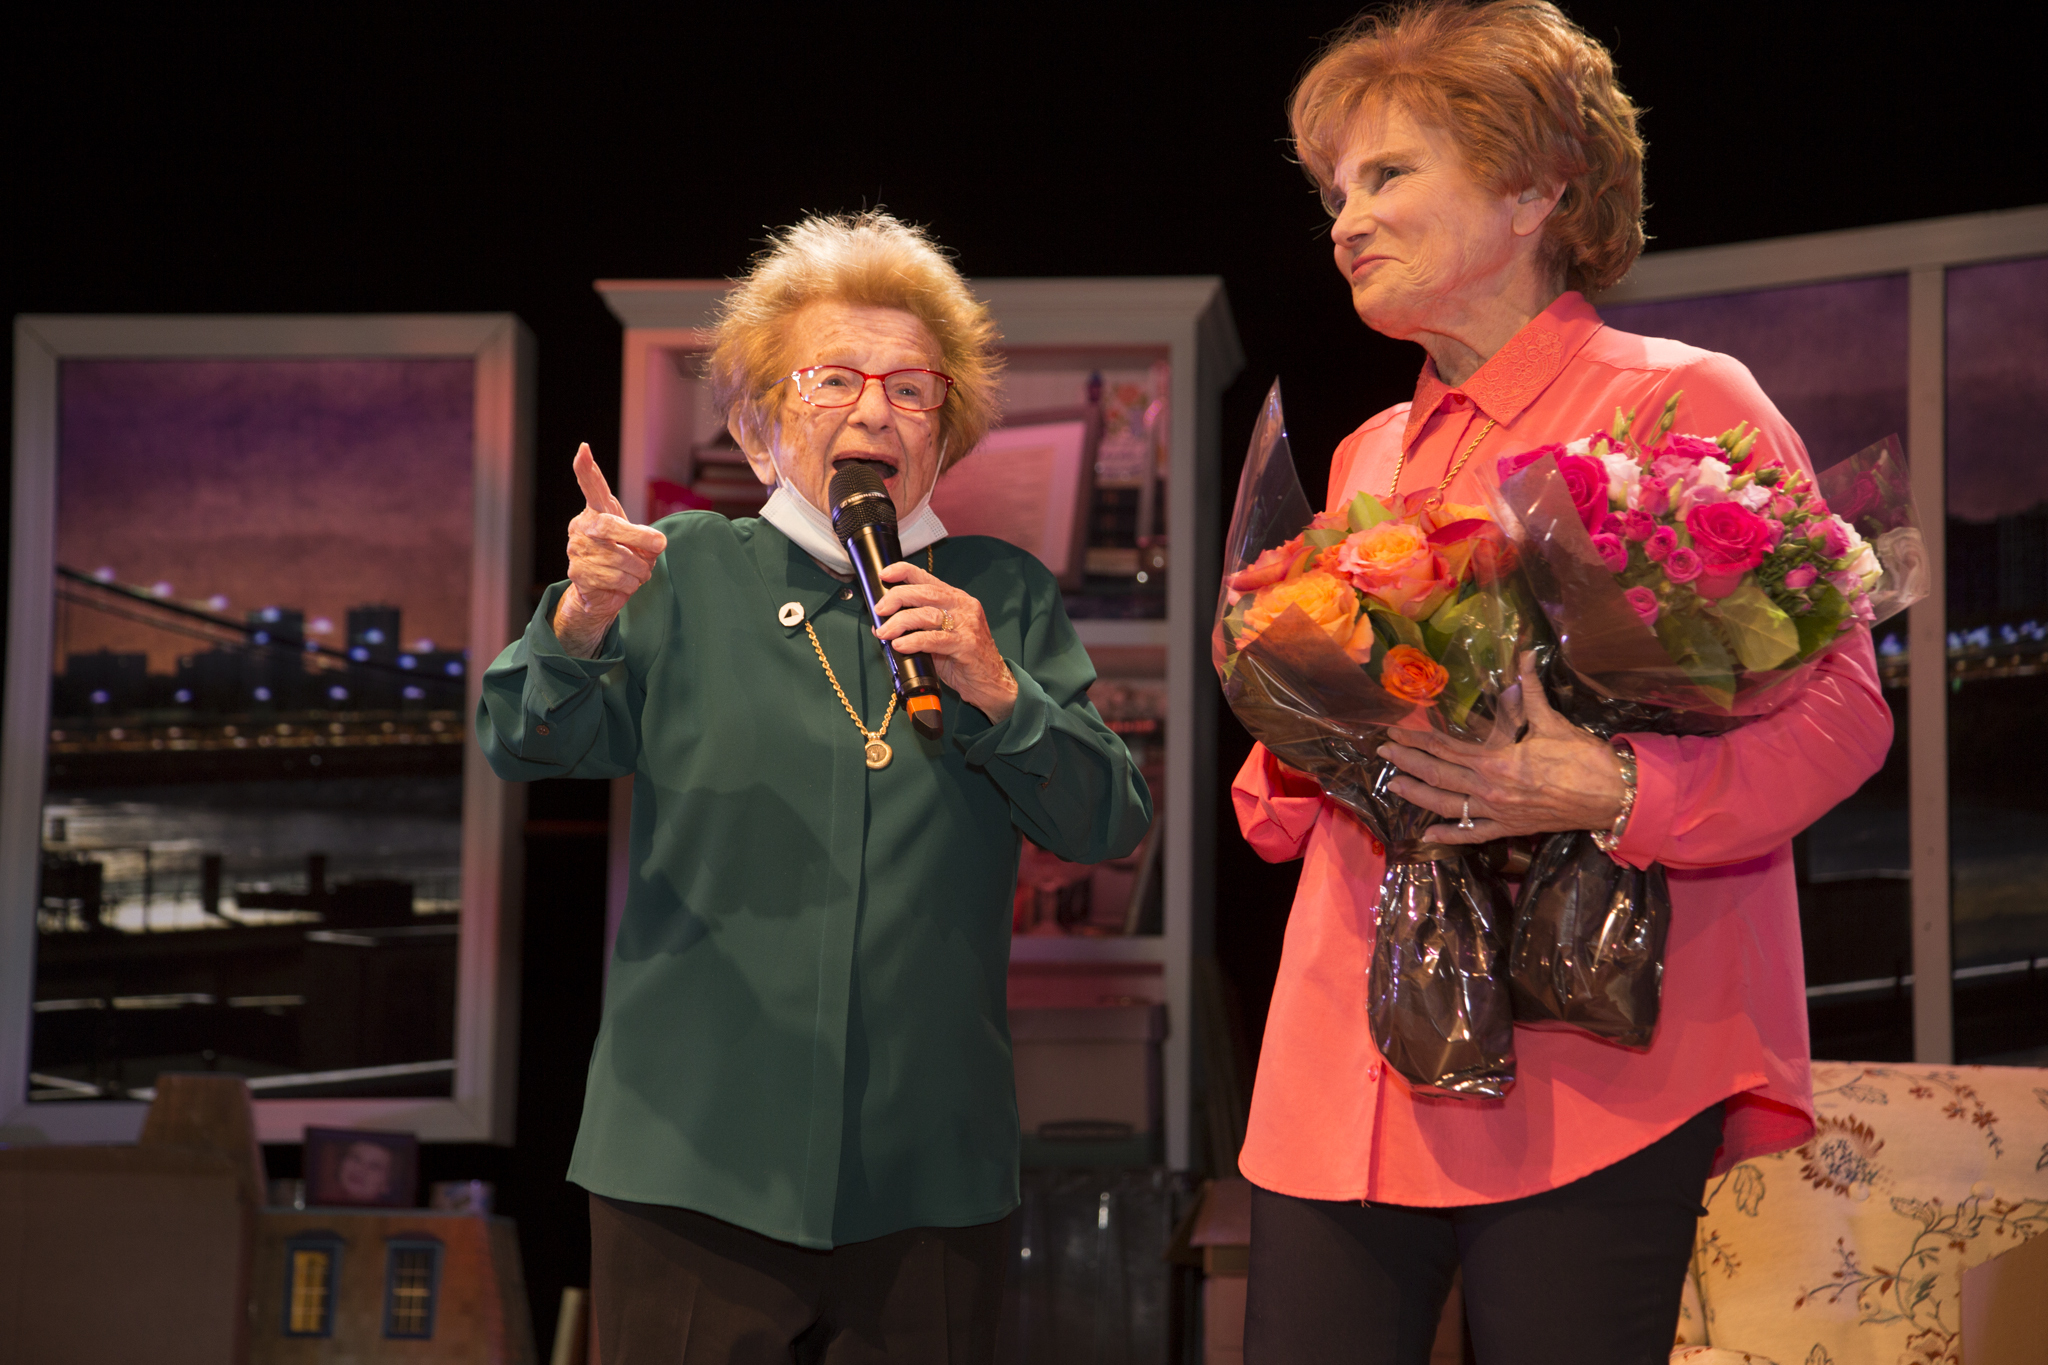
[(1484, 171)]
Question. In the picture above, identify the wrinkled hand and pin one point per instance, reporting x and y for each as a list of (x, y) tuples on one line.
[(915, 612), (609, 559), (1555, 777)]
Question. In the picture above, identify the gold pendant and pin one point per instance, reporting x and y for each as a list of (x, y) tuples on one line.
[(879, 754)]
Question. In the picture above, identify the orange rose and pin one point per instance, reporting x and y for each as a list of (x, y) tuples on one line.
[(1471, 547), (1451, 513), (1395, 564), (1362, 642), (1324, 598), (1270, 567), (1412, 675)]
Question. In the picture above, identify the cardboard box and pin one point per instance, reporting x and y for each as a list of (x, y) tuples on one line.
[(2005, 1306)]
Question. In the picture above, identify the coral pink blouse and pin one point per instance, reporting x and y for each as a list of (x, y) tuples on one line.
[(1328, 1120)]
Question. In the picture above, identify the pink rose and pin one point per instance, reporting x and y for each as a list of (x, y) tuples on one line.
[(1847, 584), (1612, 550), (1782, 507), (1515, 464), (1730, 538), (1661, 543), (1691, 449), (1801, 578), (1652, 496), (1645, 603), (1585, 478), (1638, 526), (1834, 538), (1682, 565), (1671, 468)]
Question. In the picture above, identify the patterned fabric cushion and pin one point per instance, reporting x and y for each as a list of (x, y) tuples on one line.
[(1850, 1249)]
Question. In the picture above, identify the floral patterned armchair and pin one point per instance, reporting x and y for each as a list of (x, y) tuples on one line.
[(1850, 1249)]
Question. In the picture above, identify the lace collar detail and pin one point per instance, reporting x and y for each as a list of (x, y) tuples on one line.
[(1512, 377)]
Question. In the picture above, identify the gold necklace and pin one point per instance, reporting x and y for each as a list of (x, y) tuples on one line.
[(1436, 499), (877, 753)]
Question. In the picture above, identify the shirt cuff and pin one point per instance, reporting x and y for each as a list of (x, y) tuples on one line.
[(562, 675), (1649, 824), (1018, 738)]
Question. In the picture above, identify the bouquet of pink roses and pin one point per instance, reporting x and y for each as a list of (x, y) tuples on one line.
[(1687, 585), (1329, 630)]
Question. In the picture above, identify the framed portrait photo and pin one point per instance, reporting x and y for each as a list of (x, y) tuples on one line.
[(361, 1168), (257, 565)]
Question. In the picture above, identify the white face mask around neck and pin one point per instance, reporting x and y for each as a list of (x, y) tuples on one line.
[(791, 513)]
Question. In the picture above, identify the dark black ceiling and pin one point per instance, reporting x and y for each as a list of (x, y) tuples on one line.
[(353, 159)]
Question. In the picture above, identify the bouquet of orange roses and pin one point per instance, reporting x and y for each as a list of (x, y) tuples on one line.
[(1330, 630)]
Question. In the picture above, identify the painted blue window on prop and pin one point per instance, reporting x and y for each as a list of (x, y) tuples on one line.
[(312, 1275), (412, 1283)]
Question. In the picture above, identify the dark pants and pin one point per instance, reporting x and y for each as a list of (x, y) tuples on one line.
[(1589, 1273), (673, 1287)]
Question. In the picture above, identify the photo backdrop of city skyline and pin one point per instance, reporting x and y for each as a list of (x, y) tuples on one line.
[(319, 485)]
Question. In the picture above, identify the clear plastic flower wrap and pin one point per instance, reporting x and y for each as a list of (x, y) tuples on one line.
[(1687, 590), (1330, 629)]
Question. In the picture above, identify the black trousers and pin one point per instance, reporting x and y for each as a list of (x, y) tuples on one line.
[(674, 1287), (1589, 1273)]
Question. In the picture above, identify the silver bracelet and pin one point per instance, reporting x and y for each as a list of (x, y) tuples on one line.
[(1609, 839)]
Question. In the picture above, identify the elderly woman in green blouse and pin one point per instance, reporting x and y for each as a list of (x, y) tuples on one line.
[(800, 1128)]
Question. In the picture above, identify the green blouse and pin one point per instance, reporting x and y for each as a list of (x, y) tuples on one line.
[(805, 1029)]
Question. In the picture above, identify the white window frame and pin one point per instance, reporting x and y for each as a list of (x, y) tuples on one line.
[(480, 1108), (1923, 252)]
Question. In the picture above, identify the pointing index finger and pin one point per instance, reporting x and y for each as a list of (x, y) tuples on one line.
[(596, 492)]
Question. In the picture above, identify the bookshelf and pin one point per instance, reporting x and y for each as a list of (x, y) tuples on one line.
[(1150, 358)]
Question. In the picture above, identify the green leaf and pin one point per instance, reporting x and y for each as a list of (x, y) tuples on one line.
[(1819, 627), (1763, 635), (1449, 619), (1397, 628), (1366, 512), (1322, 538), (1465, 659), (1694, 644)]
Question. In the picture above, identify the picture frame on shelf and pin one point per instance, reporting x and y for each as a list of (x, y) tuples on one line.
[(1028, 483), (361, 1168)]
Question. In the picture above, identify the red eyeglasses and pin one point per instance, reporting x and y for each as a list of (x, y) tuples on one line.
[(840, 386)]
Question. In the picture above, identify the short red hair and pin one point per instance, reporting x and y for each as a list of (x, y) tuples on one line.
[(1525, 94)]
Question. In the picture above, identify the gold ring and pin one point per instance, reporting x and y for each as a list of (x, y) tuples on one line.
[(945, 619)]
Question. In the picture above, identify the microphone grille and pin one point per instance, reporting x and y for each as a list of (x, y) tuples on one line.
[(859, 498)]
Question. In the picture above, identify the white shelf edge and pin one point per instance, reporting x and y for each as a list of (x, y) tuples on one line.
[(1134, 948), (1112, 633)]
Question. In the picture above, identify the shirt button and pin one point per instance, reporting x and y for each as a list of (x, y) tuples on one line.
[(792, 614), (846, 594), (540, 729), (1372, 1073)]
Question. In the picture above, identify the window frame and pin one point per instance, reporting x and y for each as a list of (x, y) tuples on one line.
[(501, 349), (331, 1244), (1924, 252), (393, 1247)]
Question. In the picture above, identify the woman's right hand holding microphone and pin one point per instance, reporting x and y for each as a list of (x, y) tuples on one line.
[(610, 557)]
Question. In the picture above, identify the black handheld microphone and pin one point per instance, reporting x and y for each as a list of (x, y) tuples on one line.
[(864, 520)]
